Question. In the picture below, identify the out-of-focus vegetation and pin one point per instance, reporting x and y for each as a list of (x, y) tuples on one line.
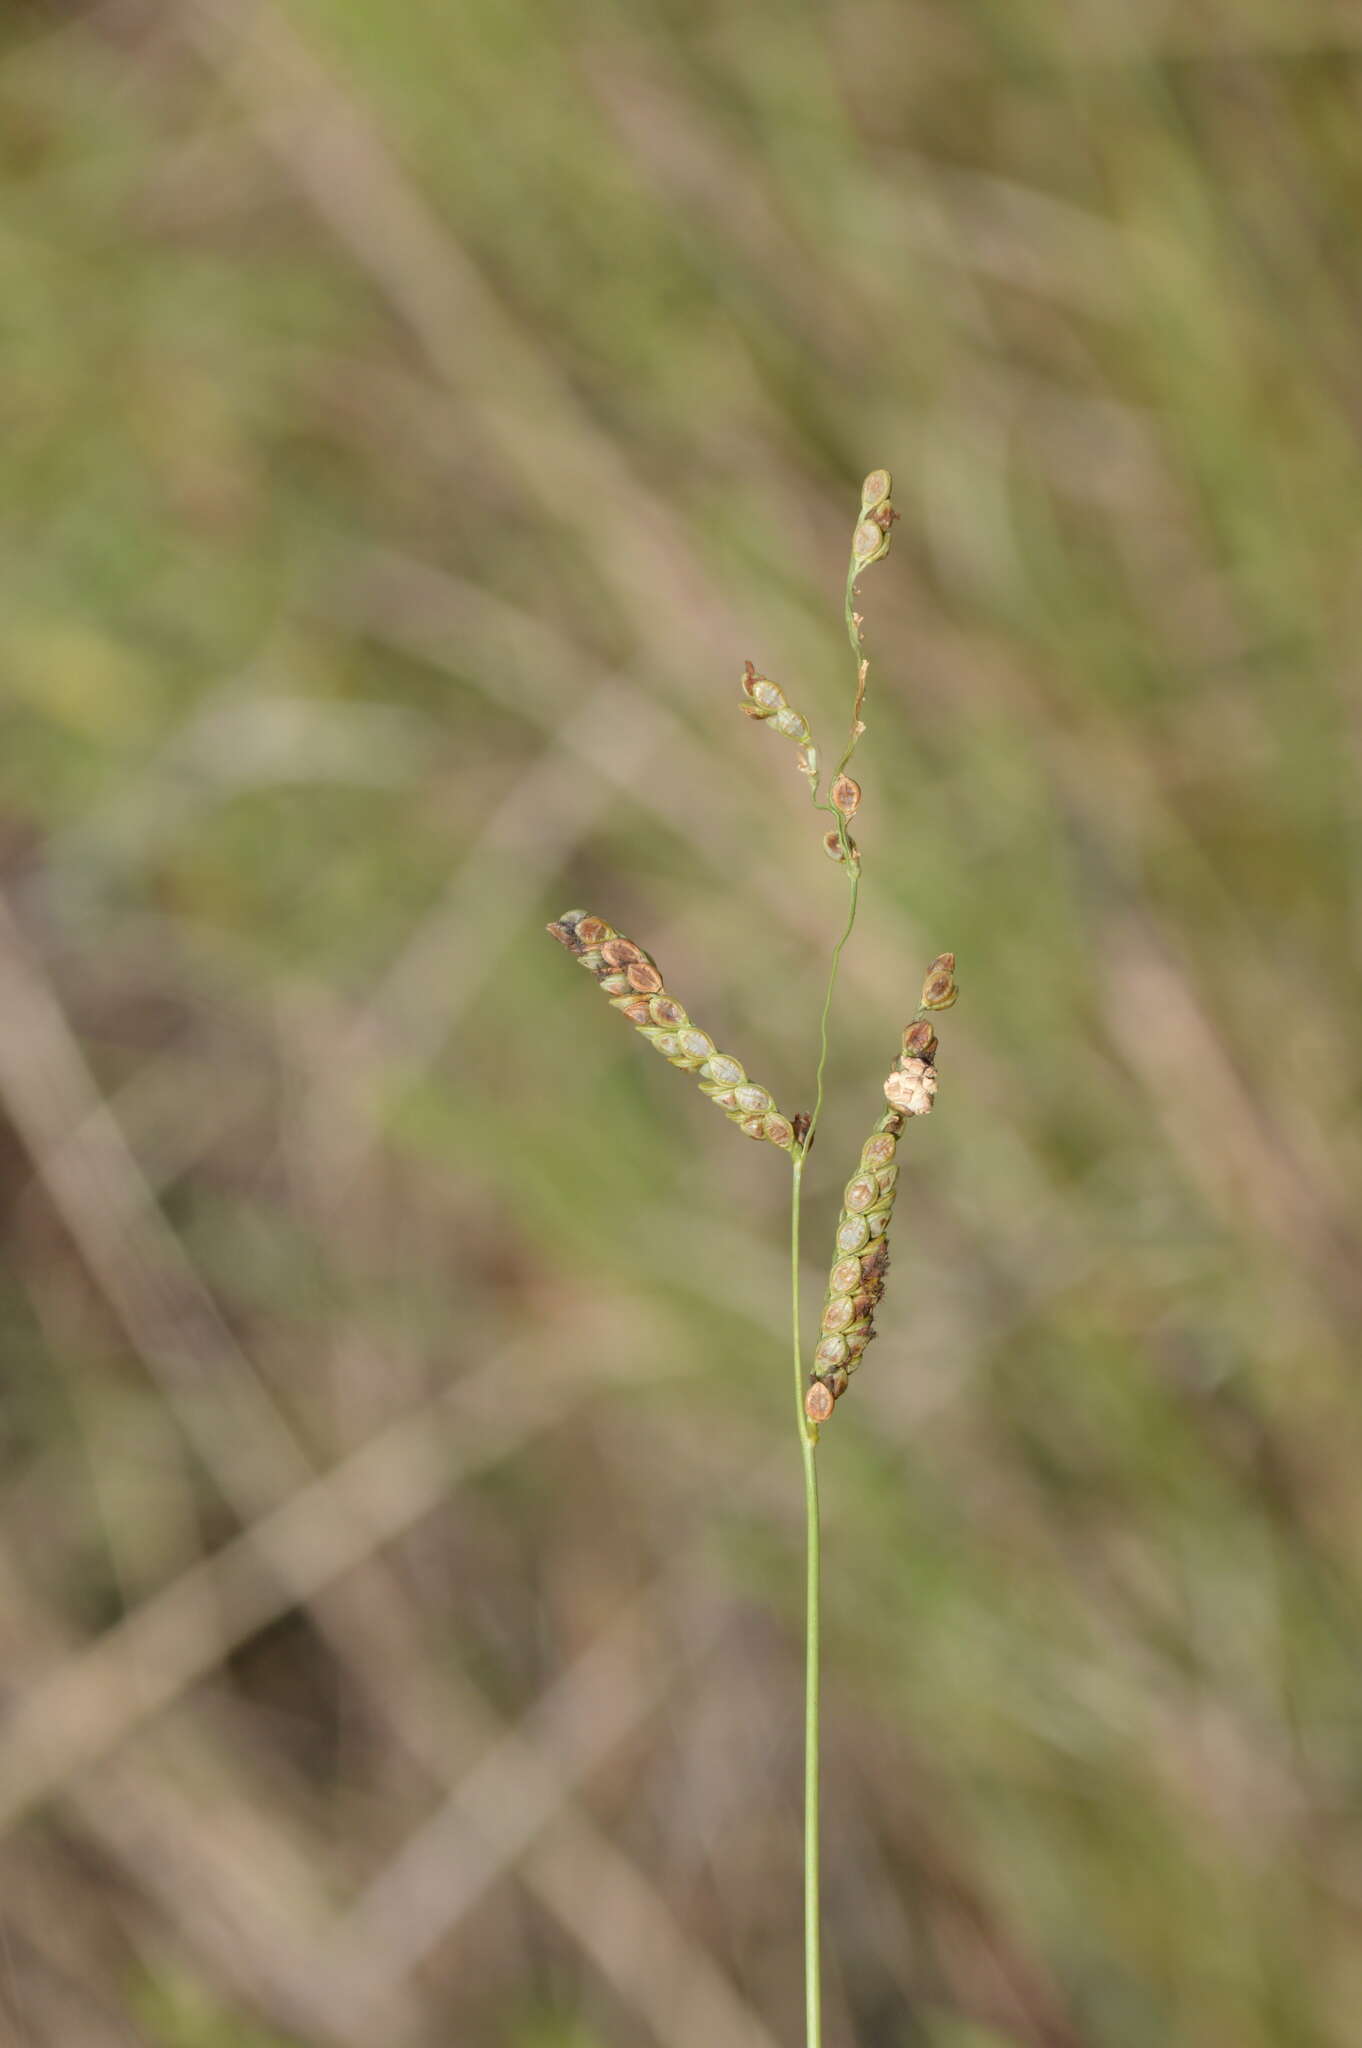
[(413, 416)]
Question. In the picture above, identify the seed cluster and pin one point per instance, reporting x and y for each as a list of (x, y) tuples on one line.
[(870, 542), (856, 1281), (861, 1258), (634, 985), (766, 700)]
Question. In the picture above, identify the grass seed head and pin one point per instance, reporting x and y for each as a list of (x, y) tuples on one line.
[(861, 1255), (634, 984)]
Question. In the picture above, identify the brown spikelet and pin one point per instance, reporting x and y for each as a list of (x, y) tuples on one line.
[(939, 990), (634, 985), (846, 795)]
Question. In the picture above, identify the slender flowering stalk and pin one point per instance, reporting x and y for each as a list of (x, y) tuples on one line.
[(634, 985)]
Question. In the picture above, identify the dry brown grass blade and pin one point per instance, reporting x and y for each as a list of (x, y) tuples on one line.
[(97, 1187)]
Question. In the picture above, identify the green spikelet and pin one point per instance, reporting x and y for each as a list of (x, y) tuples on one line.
[(763, 699), (634, 985), (861, 1255)]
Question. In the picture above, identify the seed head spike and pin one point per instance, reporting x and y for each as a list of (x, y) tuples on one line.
[(643, 999), (861, 1255)]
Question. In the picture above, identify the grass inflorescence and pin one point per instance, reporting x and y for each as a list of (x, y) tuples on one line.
[(856, 1282)]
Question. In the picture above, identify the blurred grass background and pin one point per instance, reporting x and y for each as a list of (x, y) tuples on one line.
[(413, 417)]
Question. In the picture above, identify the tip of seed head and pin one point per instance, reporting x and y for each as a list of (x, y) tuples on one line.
[(939, 990), (818, 1402)]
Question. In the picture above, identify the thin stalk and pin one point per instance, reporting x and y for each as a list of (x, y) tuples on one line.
[(808, 1431), (854, 878), (808, 1445)]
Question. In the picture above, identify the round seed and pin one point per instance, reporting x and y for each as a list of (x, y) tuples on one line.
[(852, 1234), (792, 723), (619, 952), (919, 1041), (939, 990), (861, 1193), (724, 1070), (878, 1151), (753, 1100), (696, 1046), (845, 1276), (634, 1008), (831, 1351), (593, 931), (644, 977), (668, 1013), (778, 1129), (818, 1402), (840, 1313)]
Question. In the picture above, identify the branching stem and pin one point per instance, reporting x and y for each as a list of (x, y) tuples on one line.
[(808, 1431)]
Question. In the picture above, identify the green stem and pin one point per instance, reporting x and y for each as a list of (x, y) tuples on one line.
[(854, 878), (808, 1444), (808, 1431)]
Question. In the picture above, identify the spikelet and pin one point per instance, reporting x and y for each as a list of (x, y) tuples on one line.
[(861, 1257), (870, 541), (939, 990), (766, 700), (634, 986)]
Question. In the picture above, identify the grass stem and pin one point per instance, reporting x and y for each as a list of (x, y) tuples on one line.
[(808, 1446)]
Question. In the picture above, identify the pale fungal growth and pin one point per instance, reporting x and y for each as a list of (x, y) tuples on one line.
[(632, 982), (861, 1255), (911, 1087)]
